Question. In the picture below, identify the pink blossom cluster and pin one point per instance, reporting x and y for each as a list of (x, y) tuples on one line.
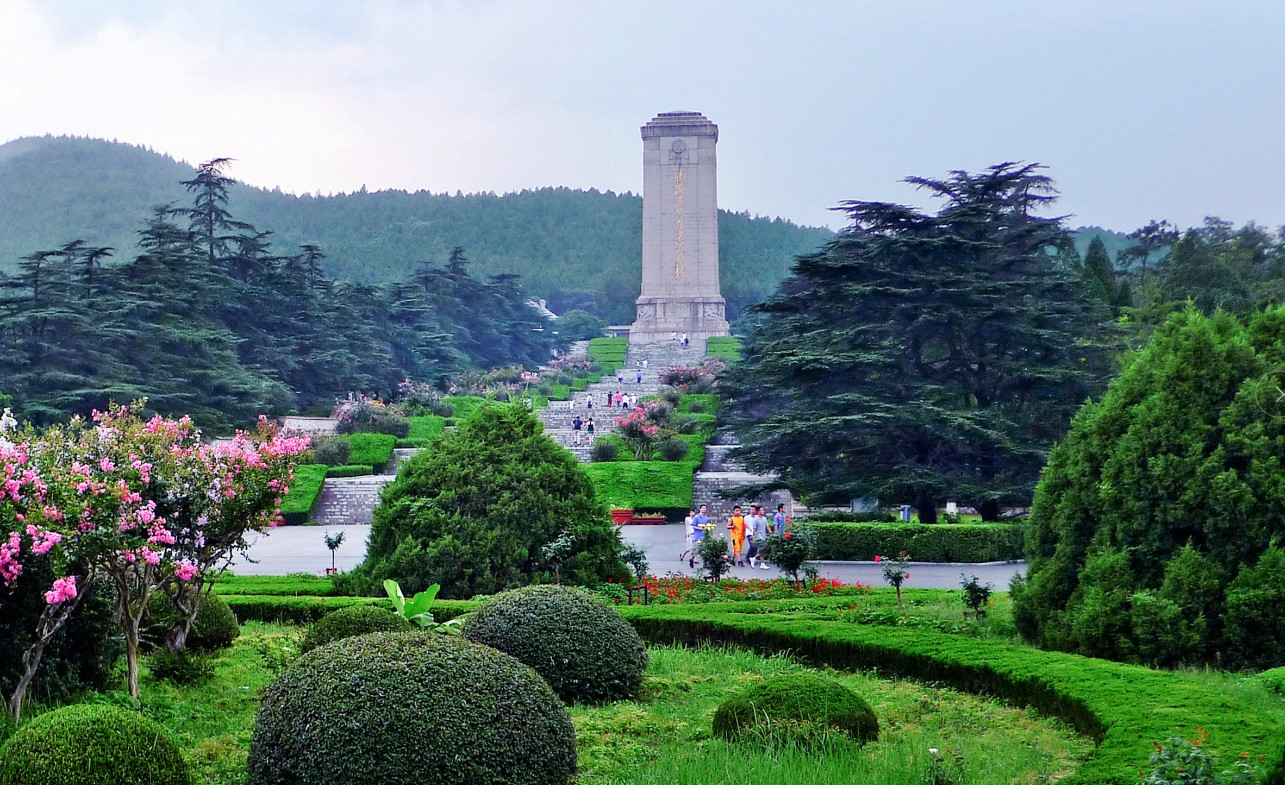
[(64, 589)]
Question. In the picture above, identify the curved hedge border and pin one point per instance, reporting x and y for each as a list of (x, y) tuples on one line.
[(1122, 707), (939, 542), (305, 490)]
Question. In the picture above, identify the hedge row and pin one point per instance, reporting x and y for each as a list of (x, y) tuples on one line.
[(278, 609), (937, 542), (283, 585), (1122, 707), (642, 484), (305, 489), (350, 470)]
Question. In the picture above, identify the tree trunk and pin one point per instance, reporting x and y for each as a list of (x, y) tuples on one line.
[(989, 510), (926, 506), (52, 619), (186, 605)]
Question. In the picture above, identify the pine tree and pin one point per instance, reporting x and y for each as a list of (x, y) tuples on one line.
[(922, 357)]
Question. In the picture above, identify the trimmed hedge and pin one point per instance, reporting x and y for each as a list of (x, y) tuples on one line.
[(938, 542), (277, 609), (642, 484), (373, 449), (579, 644), (410, 708), (350, 470), (792, 701), (305, 490), (1122, 707), (296, 584), (352, 621), (92, 744), (215, 626)]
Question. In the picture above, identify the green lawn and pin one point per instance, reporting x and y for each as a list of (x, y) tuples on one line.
[(374, 449), (727, 348), (664, 737), (426, 428)]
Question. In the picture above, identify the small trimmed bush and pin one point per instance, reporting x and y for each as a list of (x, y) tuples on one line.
[(352, 621), (330, 450), (372, 449), (215, 626), (401, 708), (91, 744), (794, 705), (580, 645), (965, 542), (674, 449), (604, 450)]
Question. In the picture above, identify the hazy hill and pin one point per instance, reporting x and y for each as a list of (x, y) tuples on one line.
[(575, 248)]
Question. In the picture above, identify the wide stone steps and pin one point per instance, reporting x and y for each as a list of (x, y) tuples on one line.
[(346, 501)]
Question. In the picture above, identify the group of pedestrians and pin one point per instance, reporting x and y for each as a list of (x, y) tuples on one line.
[(673, 336), (747, 533), (579, 427)]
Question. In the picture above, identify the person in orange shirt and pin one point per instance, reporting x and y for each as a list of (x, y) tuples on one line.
[(736, 524)]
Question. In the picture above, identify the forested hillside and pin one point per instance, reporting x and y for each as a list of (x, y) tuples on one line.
[(206, 316), (578, 249)]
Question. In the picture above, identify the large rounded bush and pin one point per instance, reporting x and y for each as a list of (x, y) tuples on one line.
[(410, 709), (795, 700), (215, 626), (580, 645), (91, 745), (353, 621)]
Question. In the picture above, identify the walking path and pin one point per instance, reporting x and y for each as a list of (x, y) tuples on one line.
[(303, 549)]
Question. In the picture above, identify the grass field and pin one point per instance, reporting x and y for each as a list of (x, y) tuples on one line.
[(664, 737)]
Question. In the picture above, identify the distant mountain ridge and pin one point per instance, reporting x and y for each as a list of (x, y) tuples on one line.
[(575, 248), (578, 249)]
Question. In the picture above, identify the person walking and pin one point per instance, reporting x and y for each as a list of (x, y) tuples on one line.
[(576, 425), (588, 401), (640, 375), (687, 535), (673, 336), (779, 520), (646, 360), (589, 428), (736, 525), (620, 376), (757, 525), (699, 521), (684, 340)]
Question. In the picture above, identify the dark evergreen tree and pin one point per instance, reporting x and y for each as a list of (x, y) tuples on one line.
[(922, 357)]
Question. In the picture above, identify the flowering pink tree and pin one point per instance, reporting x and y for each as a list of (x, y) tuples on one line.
[(103, 499), (639, 433), (239, 485)]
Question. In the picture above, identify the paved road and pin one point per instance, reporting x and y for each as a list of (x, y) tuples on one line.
[(303, 549)]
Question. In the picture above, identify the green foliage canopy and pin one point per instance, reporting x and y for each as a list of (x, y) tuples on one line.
[(1149, 516), (474, 512), (922, 357)]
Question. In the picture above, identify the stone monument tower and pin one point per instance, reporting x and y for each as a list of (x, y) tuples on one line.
[(680, 291)]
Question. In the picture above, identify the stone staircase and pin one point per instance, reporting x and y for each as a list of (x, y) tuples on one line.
[(718, 474), (558, 415), (347, 501)]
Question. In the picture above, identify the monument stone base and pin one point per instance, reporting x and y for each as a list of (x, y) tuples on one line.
[(659, 318)]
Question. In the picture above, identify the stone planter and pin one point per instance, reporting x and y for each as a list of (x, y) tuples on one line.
[(622, 517)]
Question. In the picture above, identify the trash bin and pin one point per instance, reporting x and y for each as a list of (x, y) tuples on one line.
[(905, 512)]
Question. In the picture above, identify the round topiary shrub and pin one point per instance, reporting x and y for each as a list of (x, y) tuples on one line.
[(215, 626), (91, 745), (580, 645), (410, 709), (795, 703), (351, 621)]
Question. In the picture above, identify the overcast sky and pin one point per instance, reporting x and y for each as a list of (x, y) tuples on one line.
[(1141, 110)]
